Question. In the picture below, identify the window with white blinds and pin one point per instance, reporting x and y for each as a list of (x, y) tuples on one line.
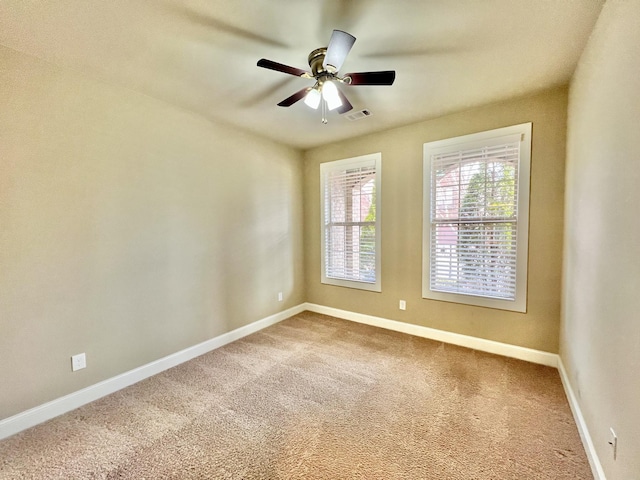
[(476, 218), (350, 214)]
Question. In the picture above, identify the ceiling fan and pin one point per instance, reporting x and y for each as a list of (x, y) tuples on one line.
[(325, 63)]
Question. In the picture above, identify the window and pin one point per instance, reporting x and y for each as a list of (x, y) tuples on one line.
[(350, 215), (476, 218)]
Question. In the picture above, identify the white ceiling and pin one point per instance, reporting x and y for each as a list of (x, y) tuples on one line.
[(201, 55)]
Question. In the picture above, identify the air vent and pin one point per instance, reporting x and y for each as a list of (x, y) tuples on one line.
[(358, 115)]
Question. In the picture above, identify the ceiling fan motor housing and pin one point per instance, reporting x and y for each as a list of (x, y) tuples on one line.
[(316, 60)]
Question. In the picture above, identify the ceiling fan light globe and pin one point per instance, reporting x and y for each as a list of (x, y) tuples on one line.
[(312, 98), (331, 96)]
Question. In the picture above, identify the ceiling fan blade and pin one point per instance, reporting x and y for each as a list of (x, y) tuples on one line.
[(279, 67), (386, 77), (342, 14), (346, 105), (264, 94), (412, 52), (338, 49), (299, 95), (215, 26)]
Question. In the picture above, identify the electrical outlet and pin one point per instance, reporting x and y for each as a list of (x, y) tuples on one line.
[(613, 442), (78, 362), (279, 296), (403, 305)]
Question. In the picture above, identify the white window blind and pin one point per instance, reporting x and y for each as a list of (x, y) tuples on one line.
[(350, 219), (474, 219), (474, 216)]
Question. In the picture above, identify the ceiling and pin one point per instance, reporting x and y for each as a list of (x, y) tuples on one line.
[(200, 55)]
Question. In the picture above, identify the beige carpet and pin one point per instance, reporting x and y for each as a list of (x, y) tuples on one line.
[(318, 397)]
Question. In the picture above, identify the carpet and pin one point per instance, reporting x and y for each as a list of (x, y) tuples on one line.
[(315, 397)]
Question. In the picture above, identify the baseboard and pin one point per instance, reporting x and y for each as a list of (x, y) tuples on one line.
[(29, 418), (594, 461), (490, 346)]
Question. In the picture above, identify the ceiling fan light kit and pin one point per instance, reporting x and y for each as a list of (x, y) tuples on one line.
[(325, 64)]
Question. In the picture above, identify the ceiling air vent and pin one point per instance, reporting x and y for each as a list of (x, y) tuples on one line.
[(358, 115)]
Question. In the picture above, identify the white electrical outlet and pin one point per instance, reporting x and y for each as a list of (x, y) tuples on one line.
[(279, 296), (78, 362), (403, 305), (613, 442)]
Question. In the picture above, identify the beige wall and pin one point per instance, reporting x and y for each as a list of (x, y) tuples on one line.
[(402, 224), (600, 336), (129, 230)]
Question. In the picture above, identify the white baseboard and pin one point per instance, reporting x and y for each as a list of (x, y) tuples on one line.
[(594, 461), (29, 418), (490, 346)]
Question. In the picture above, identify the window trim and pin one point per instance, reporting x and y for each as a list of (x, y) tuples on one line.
[(353, 162), (465, 142)]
